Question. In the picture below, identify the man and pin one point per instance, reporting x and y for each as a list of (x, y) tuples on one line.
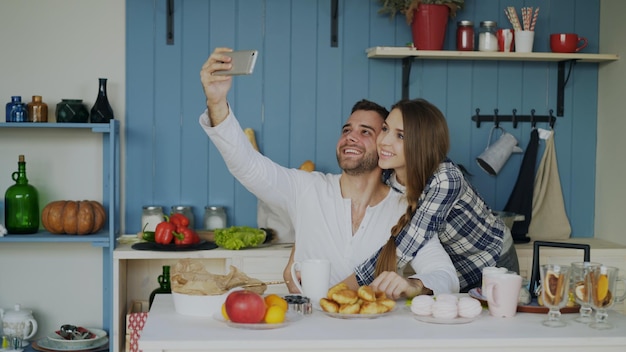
[(343, 218)]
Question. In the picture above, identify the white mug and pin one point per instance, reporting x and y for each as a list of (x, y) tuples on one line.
[(488, 272), (315, 277), (502, 293)]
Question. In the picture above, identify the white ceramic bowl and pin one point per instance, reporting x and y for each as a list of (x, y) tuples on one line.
[(57, 341), (198, 306)]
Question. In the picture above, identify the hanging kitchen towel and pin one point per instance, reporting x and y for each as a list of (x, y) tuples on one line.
[(520, 201), (549, 219)]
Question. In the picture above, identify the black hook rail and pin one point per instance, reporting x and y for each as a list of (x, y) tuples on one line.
[(532, 118)]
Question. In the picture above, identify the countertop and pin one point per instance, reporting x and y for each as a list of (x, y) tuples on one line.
[(165, 330)]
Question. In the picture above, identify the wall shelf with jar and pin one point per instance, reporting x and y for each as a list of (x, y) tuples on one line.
[(408, 54), (105, 238)]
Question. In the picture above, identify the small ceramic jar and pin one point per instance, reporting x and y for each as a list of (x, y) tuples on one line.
[(19, 322)]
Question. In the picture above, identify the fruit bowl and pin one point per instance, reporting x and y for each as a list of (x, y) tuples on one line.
[(57, 341)]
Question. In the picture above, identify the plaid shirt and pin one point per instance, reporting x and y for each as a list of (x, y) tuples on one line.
[(452, 209)]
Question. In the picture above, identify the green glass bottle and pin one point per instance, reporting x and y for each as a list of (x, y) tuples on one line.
[(21, 203), (164, 285)]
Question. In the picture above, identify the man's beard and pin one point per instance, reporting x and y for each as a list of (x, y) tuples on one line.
[(354, 168)]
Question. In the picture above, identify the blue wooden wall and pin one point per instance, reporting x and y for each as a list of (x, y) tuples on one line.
[(302, 91)]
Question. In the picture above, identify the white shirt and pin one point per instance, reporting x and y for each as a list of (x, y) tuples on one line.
[(320, 216)]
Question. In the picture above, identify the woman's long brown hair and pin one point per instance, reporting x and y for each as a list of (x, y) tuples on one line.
[(426, 145)]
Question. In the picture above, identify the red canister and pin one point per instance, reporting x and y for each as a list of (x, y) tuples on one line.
[(465, 36)]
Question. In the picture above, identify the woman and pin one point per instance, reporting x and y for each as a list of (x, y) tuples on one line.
[(413, 148)]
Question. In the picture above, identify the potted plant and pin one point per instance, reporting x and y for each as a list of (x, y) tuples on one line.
[(428, 19)]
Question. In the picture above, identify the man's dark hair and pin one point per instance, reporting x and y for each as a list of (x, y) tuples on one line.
[(368, 105)]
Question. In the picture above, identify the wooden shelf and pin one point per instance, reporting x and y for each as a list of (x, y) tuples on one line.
[(389, 52)]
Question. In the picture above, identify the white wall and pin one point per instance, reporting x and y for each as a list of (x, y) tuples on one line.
[(611, 158), (58, 49)]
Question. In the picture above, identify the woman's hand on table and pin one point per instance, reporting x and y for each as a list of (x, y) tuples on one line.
[(396, 286)]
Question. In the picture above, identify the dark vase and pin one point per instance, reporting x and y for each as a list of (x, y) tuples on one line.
[(101, 112), (72, 110)]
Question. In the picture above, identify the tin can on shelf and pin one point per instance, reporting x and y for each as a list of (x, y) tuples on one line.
[(487, 40), (214, 217), (465, 36), (151, 216)]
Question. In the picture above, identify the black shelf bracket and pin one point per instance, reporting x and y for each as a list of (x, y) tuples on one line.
[(496, 118), (169, 33), (334, 23), (560, 88), (406, 73)]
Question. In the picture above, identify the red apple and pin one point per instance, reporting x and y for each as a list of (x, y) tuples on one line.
[(245, 307)]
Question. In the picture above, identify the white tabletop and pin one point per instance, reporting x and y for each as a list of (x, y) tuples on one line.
[(165, 330)]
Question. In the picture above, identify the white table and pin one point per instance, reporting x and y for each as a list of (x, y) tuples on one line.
[(165, 330)]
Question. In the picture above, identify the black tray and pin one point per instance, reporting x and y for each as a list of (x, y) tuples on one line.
[(153, 246)]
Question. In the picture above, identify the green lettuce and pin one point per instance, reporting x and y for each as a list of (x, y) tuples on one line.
[(237, 237)]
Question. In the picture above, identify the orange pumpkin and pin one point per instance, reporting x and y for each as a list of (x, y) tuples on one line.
[(73, 217)]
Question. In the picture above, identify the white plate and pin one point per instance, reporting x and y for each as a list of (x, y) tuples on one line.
[(289, 319), (433, 320), (48, 344), (359, 316), (57, 340)]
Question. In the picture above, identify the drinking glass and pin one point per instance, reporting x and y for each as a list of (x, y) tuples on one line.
[(554, 292), (602, 284), (580, 288)]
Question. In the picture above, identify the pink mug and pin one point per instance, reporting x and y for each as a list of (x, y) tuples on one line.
[(567, 43), (506, 40)]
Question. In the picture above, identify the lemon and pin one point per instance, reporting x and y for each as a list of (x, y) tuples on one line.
[(602, 288), (276, 300), (274, 315), (224, 314)]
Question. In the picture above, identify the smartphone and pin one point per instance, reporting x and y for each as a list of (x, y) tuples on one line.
[(243, 63)]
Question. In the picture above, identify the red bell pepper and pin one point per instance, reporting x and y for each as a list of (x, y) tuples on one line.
[(164, 232), (179, 220), (186, 235)]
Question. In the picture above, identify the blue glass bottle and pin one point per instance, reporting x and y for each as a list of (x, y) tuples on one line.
[(19, 112), (9, 107)]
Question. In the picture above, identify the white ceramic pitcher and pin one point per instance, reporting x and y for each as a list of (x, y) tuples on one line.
[(18, 322)]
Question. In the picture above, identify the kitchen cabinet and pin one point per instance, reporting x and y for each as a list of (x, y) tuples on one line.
[(104, 239), (135, 273), (408, 55)]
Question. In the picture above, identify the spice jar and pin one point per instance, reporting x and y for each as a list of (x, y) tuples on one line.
[(187, 211), (487, 39), (214, 218), (151, 216), (465, 36)]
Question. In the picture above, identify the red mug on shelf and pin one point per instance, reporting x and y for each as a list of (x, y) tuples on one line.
[(506, 40), (567, 43)]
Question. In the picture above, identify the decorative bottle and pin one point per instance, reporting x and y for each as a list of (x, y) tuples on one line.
[(164, 284), (21, 203), (15, 100), (37, 110), (101, 112), (72, 110)]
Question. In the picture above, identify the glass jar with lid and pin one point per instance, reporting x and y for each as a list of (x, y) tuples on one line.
[(214, 217), (465, 36), (187, 211), (487, 39), (151, 216)]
